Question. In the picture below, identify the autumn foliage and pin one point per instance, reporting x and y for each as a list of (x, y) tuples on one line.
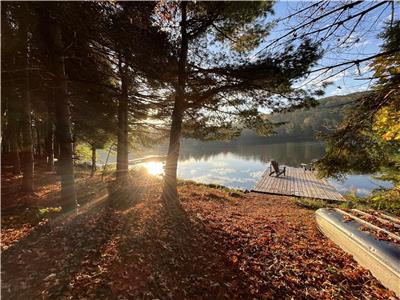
[(228, 245)]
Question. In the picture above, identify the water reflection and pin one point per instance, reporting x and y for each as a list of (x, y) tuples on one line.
[(225, 168), (291, 154), (240, 166)]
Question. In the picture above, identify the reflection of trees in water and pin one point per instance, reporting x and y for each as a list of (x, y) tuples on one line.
[(291, 154)]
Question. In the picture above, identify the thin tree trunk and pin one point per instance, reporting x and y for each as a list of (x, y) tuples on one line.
[(49, 142), (170, 193), (13, 137), (5, 130), (122, 146), (50, 146), (74, 155), (93, 161), (5, 148), (38, 137), (26, 128), (105, 164), (63, 122), (56, 148)]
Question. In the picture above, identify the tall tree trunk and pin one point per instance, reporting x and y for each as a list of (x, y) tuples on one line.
[(122, 146), (5, 148), (49, 142), (38, 138), (93, 161), (56, 148), (26, 128), (63, 120), (13, 137), (74, 155), (5, 135), (170, 193)]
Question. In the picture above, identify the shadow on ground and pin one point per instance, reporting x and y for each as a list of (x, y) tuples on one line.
[(127, 247)]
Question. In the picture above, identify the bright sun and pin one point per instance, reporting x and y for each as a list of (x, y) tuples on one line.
[(154, 168)]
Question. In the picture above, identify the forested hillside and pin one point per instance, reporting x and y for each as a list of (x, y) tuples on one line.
[(304, 124)]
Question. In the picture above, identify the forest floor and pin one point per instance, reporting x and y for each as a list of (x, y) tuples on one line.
[(229, 246)]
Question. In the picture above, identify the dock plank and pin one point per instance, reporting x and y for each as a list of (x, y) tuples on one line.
[(299, 183)]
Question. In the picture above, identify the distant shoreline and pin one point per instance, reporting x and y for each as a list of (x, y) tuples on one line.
[(244, 141)]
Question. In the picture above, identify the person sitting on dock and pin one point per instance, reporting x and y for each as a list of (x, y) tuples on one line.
[(274, 168)]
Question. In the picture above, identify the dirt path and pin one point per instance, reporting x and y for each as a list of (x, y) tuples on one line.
[(256, 246)]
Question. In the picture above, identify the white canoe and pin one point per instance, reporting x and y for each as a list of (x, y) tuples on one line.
[(382, 258)]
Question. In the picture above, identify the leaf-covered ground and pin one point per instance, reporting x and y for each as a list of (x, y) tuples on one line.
[(229, 246)]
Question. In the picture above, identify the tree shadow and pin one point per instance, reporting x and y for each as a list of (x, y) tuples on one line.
[(140, 251), (69, 256), (56, 254), (19, 223), (166, 256)]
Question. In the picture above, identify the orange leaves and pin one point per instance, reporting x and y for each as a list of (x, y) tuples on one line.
[(279, 251), (166, 10), (234, 259), (255, 247)]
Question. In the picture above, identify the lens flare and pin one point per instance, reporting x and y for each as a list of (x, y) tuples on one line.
[(154, 168)]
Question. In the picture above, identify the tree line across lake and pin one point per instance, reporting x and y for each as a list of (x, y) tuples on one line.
[(305, 124)]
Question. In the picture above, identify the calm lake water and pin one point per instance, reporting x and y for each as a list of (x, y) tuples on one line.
[(240, 166)]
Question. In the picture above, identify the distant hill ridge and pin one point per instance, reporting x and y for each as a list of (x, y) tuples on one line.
[(304, 124), (301, 124)]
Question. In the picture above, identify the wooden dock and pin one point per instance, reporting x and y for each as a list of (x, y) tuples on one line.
[(298, 183)]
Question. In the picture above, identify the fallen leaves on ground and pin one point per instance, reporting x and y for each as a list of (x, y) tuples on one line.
[(225, 247), (384, 224)]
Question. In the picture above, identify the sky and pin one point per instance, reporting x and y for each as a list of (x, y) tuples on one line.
[(363, 42)]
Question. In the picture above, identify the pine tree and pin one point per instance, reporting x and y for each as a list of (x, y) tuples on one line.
[(368, 139), (218, 89)]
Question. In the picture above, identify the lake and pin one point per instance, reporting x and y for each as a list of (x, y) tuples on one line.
[(240, 166)]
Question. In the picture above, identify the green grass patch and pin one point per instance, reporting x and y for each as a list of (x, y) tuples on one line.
[(48, 210), (313, 204), (187, 182), (384, 200)]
